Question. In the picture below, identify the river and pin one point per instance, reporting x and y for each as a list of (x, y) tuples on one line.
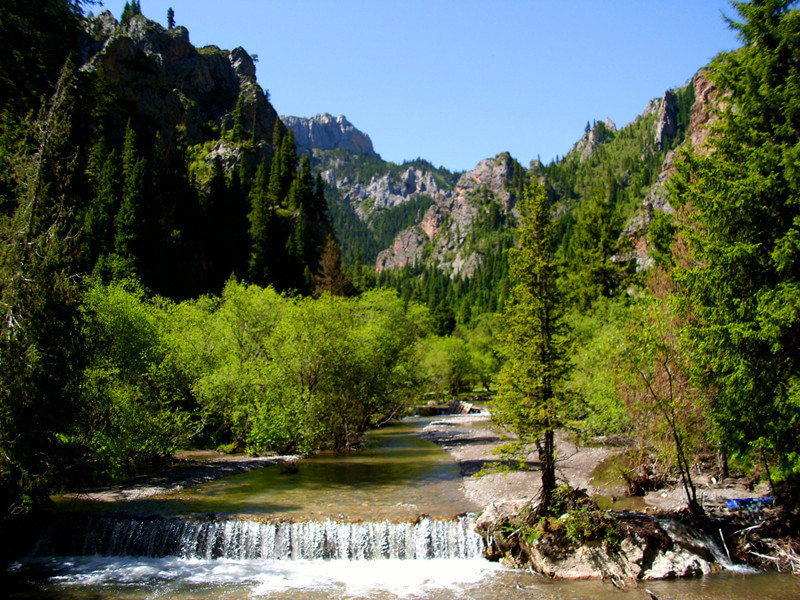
[(339, 527)]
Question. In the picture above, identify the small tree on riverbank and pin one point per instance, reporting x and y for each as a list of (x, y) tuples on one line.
[(530, 402)]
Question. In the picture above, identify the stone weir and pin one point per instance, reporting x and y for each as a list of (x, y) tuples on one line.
[(214, 536)]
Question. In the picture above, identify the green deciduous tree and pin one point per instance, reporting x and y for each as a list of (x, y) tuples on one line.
[(740, 218), (448, 365), (531, 402), (654, 369), (133, 394)]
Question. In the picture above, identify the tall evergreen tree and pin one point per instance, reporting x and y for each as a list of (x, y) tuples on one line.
[(170, 18), (288, 162), (530, 402), (331, 276), (595, 266), (301, 191), (740, 218), (39, 329), (128, 222), (104, 177), (260, 217), (238, 120)]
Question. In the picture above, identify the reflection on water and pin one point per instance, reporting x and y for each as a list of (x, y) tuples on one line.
[(398, 476)]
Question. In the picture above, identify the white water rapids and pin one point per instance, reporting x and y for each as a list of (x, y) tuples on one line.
[(241, 539)]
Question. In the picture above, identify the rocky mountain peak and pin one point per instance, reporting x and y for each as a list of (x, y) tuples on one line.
[(667, 122), (585, 147), (446, 225), (326, 132), (174, 87)]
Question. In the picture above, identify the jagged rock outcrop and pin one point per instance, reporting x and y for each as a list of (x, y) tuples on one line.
[(172, 86), (667, 122), (406, 250), (642, 548), (447, 223), (657, 198), (386, 191), (585, 147), (326, 132)]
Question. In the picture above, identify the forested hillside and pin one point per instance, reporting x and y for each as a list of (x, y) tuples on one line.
[(172, 276), (129, 157)]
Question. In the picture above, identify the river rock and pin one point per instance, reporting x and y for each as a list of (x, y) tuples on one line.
[(649, 548)]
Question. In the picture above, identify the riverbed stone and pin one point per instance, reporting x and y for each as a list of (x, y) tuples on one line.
[(649, 548)]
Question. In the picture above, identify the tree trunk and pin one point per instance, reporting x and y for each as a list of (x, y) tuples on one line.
[(722, 461), (547, 460)]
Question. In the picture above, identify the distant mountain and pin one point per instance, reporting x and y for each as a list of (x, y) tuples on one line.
[(413, 217), (370, 200), (326, 132)]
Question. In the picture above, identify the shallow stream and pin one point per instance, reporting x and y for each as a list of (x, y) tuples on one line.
[(232, 538)]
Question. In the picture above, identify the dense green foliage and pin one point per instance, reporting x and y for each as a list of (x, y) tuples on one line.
[(740, 219), (162, 287), (40, 345), (91, 185), (531, 401), (272, 373)]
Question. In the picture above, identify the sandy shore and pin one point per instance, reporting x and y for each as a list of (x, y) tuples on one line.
[(470, 440)]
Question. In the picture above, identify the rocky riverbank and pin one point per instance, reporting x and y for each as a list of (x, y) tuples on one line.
[(654, 541)]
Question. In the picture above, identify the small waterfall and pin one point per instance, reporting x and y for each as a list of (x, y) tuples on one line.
[(697, 540), (243, 539)]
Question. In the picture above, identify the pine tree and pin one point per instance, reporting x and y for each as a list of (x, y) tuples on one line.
[(288, 163), (740, 218), (320, 203), (595, 245), (130, 10), (238, 120), (128, 222), (260, 217), (444, 319), (170, 18), (530, 402), (301, 190), (40, 343), (331, 276), (103, 174)]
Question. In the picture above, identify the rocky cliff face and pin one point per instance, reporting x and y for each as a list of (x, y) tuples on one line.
[(657, 198), (171, 87), (386, 190), (326, 132), (585, 147), (446, 225)]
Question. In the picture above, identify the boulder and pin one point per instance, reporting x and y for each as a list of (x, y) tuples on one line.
[(642, 547)]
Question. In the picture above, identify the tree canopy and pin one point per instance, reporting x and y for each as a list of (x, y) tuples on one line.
[(740, 219)]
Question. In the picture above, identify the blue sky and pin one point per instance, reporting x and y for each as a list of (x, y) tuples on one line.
[(453, 81)]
